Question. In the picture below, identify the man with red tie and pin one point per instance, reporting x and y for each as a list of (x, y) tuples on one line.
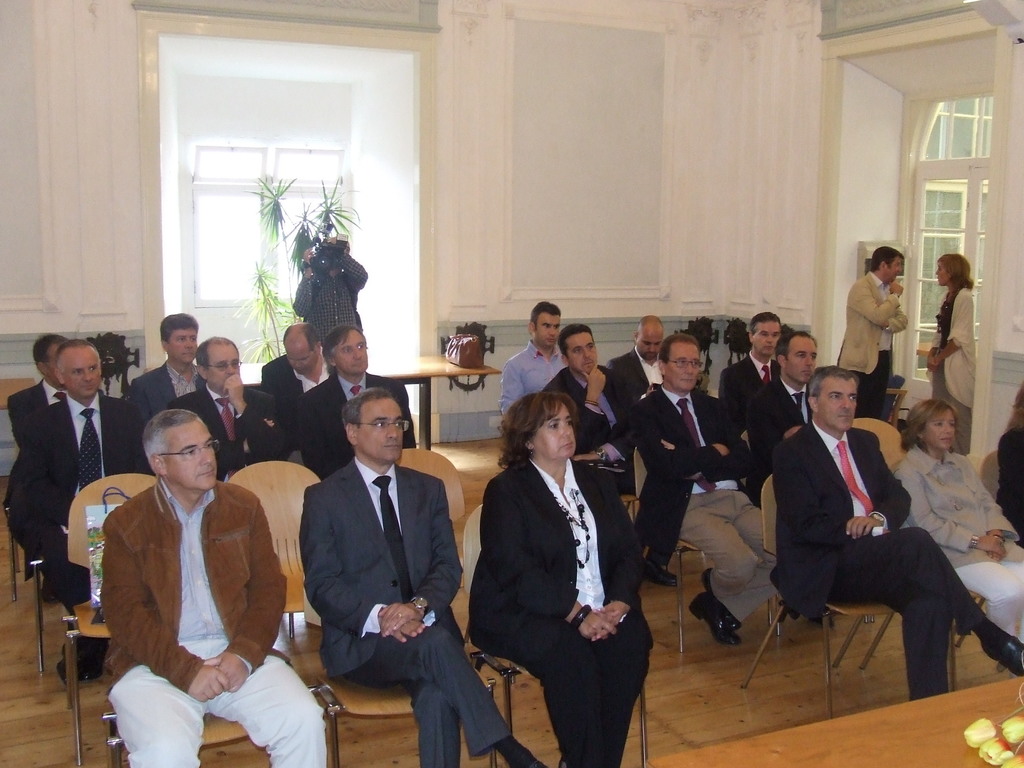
[(741, 381), (240, 418), (695, 459), (840, 512)]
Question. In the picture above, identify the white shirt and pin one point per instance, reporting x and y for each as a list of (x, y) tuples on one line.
[(885, 340), (78, 420), (652, 371), (308, 384)]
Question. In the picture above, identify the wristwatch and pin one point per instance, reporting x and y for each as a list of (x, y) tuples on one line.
[(422, 604), (602, 454)]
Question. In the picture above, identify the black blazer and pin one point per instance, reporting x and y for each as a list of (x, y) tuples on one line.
[(153, 391), (279, 381), (1010, 495), (320, 430), (771, 413), (348, 562), (594, 429), (21, 405), (813, 507), (47, 468), (666, 492), (525, 580), (267, 442), (737, 386), (629, 372)]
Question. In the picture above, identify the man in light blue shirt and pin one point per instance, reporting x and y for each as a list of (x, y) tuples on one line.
[(530, 370)]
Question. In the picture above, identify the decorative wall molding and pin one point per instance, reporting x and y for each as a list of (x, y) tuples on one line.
[(847, 17), (470, 8), (385, 14)]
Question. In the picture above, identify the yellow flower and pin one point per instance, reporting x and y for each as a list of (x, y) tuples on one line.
[(1013, 729), (995, 751), (979, 732)]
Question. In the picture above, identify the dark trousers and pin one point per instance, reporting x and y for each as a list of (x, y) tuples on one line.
[(590, 689), (907, 571), (445, 690), (871, 388)]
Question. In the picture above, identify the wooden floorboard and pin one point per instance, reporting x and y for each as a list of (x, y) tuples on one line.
[(693, 699)]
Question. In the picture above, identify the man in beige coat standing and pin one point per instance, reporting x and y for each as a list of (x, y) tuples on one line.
[(873, 315)]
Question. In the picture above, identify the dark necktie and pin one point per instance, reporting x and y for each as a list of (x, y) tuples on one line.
[(799, 398), (393, 535), (766, 374), (356, 389), (691, 427), (90, 459), (227, 416), (61, 395)]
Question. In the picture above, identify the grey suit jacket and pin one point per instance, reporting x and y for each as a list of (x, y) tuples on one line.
[(153, 391), (348, 565)]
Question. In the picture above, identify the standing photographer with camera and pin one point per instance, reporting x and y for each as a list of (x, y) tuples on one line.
[(330, 285)]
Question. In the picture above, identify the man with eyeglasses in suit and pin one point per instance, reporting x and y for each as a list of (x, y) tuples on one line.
[(241, 418), (695, 459)]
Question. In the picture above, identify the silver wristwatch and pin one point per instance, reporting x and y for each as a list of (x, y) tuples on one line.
[(422, 604)]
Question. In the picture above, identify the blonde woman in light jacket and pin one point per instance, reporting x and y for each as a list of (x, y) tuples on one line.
[(951, 360), (948, 500)]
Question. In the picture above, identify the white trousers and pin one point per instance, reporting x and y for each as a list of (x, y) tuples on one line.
[(162, 726), (1002, 586)]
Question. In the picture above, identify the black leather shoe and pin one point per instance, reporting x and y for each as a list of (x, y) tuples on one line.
[(86, 671), (730, 621), (658, 574), (1009, 653), (706, 608)]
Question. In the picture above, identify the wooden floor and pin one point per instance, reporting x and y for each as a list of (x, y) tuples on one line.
[(693, 699)]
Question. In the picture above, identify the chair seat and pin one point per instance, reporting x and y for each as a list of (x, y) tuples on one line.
[(217, 730), (859, 609), (84, 614), (362, 701)]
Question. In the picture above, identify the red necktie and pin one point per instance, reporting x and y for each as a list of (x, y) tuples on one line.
[(691, 427), (227, 415), (766, 375), (61, 395), (356, 389), (851, 480)]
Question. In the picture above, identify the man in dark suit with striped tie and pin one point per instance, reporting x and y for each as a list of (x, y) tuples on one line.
[(780, 408), (740, 381)]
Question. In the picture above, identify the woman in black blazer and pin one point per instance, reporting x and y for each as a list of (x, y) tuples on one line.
[(556, 586), (1010, 495)]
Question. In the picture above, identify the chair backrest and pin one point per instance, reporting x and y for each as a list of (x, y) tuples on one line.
[(989, 472), (471, 547), (768, 513), (439, 466), (639, 471), (129, 484), (280, 487), (888, 439), (894, 398)]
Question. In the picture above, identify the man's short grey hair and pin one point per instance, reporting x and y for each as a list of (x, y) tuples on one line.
[(352, 412), (154, 436), (829, 372)]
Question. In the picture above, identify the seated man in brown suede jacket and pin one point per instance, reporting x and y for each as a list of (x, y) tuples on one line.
[(193, 596)]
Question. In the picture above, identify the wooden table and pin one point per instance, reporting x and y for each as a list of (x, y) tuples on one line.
[(925, 732), (9, 386), (422, 371)]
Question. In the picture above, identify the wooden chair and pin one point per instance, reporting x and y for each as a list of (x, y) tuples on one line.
[(769, 511), (470, 556), (989, 472), (112, 489), (682, 547), (217, 731), (439, 466), (897, 395), (888, 439), (280, 487)]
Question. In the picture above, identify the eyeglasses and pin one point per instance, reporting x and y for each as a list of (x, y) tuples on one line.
[(682, 363), (382, 424), (193, 451), (224, 365)]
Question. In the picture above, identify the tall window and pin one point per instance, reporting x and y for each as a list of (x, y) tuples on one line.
[(228, 238), (952, 196)]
